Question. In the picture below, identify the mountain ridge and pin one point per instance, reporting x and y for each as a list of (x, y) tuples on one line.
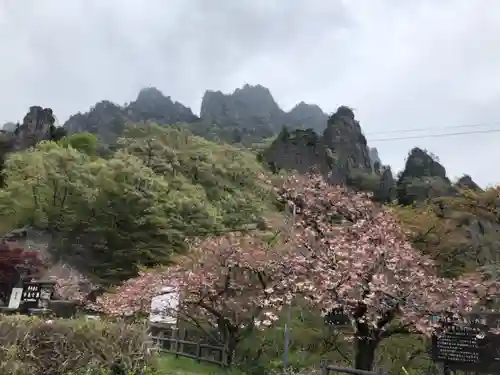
[(248, 113)]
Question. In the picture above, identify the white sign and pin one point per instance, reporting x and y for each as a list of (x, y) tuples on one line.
[(164, 306), (15, 298)]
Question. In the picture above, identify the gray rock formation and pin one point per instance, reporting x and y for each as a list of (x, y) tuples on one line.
[(152, 105), (466, 182), (374, 158), (247, 115), (37, 125), (108, 120), (9, 126), (250, 110), (252, 113), (306, 116), (344, 137), (341, 149), (386, 191), (299, 150), (422, 178), (250, 104)]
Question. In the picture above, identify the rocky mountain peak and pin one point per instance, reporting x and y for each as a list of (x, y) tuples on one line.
[(9, 126), (248, 89), (247, 115), (107, 119), (149, 94), (305, 115), (152, 105), (466, 182), (343, 135), (423, 178), (250, 111), (37, 125), (340, 149), (244, 104), (420, 164), (343, 112)]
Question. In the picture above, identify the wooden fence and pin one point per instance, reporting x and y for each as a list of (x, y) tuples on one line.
[(176, 342), (326, 369)]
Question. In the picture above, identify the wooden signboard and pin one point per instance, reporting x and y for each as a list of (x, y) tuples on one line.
[(469, 347), (31, 295), (337, 317), (15, 298)]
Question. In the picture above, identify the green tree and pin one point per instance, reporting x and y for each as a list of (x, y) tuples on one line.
[(84, 142), (108, 217), (232, 178)]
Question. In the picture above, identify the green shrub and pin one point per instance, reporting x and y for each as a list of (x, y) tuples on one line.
[(34, 346)]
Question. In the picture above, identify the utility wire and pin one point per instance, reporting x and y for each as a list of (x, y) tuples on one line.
[(435, 135), (410, 130)]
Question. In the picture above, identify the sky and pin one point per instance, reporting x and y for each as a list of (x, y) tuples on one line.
[(401, 64)]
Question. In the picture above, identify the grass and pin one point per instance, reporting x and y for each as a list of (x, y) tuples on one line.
[(186, 366)]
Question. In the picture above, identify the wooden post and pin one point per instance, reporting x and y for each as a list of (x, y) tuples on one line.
[(224, 355), (173, 341), (324, 368), (182, 336), (198, 351)]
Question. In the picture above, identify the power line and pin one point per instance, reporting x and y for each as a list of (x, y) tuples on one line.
[(435, 135), (409, 130)]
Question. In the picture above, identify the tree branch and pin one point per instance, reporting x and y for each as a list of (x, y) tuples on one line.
[(399, 330)]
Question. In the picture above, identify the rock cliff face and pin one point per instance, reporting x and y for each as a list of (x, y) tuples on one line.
[(306, 116), (341, 149), (344, 137), (425, 178), (422, 178), (152, 105), (251, 113), (420, 164), (299, 150), (247, 115), (37, 125), (374, 158), (107, 120), (466, 182), (9, 126), (250, 104)]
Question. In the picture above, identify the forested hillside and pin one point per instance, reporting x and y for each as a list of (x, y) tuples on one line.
[(249, 207), (137, 206)]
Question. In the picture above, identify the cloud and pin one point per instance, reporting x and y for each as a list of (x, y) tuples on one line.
[(401, 64)]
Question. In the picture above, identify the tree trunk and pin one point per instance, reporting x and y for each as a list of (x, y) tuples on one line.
[(365, 353), (231, 344)]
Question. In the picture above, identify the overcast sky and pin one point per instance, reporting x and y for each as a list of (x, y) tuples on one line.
[(401, 64)]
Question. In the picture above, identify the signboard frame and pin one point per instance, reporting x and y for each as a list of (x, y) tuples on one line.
[(15, 298), (469, 345)]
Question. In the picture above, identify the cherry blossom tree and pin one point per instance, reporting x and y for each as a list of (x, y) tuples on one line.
[(227, 283), (343, 253), (353, 256)]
